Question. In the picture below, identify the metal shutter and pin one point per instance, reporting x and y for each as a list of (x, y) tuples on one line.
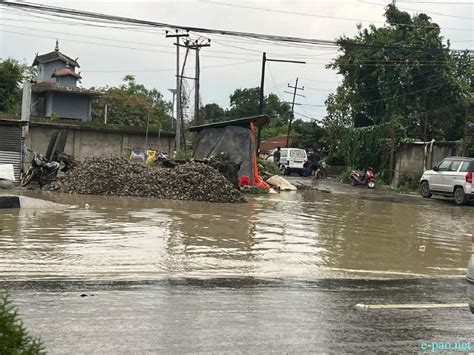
[(10, 148)]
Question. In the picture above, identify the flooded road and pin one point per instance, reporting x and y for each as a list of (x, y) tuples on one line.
[(300, 235)]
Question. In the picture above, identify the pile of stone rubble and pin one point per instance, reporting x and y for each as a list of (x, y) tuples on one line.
[(122, 177)]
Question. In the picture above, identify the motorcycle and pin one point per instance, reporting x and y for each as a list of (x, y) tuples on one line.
[(359, 178), (41, 170)]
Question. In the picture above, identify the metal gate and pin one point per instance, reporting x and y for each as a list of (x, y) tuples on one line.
[(10, 148)]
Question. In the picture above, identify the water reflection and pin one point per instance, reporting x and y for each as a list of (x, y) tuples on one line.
[(308, 235)]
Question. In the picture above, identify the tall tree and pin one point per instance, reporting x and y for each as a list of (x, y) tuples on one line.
[(213, 113), (246, 102), (12, 73), (307, 135), (132, 104), (405, 69)]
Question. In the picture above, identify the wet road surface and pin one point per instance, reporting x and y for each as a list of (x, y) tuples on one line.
[(241, 315), (360, 233), (281, 273)]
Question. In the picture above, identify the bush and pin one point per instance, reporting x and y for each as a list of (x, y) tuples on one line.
[(344, 177), (409, 181), (14, 339), (269, 167)]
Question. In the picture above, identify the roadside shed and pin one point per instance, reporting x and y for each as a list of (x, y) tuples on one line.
[(235, 138), (11, 147)]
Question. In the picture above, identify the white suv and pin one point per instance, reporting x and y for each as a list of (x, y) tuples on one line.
[(451, 177)]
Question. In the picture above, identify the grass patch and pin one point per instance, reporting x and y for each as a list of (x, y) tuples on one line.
[(255, 190)]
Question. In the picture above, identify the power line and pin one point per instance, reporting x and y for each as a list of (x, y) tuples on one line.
[(170, 69), (431, 12), (110, 39), (322, 16), (117, 46), (437, 2), (91, 16)]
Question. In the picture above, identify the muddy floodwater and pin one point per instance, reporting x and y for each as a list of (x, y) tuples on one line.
[(300, 235)]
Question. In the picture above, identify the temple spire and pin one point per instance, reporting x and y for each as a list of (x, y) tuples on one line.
[(56, 48)]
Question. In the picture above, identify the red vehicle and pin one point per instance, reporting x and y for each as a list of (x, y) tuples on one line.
[(359, 178)]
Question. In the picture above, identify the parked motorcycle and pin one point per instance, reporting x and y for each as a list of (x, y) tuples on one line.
[(40, 170), (361, 178)]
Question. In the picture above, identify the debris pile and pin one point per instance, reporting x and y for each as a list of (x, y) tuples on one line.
[(119, 176)]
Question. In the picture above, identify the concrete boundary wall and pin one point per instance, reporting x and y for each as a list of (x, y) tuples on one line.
[(414, 158), (86, 141)]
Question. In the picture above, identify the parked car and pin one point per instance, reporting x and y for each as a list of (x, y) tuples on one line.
[(451, 177), (291, 160), (470, 279)]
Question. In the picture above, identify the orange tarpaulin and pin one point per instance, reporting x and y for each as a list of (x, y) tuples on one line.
[(257, 180)]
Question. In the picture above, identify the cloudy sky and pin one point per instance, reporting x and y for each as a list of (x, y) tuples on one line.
[(107, 54)]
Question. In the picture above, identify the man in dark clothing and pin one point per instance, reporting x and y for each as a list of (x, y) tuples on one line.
[(309, 163), (277, 156)]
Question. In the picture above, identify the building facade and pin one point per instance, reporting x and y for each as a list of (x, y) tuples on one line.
[(56, 94)]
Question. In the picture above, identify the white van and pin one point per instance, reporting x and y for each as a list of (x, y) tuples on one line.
[(291, 160)]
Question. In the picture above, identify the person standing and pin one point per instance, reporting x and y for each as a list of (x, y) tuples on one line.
[(277, 156), (309, 163)]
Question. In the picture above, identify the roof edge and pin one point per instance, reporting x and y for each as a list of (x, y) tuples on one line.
[(259, 121)]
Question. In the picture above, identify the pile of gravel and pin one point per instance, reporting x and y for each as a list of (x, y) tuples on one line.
[(121, 177)]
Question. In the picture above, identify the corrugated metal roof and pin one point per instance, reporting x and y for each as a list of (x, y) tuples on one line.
[(259, 121)]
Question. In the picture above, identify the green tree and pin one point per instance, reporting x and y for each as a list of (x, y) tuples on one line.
[(405, 69), (246, 102), (12, 74), (213, 113), (307, 135), (14, 338), (132, 104)]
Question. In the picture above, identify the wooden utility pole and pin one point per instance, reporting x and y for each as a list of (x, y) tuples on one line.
[(196, 89), (292, 107), (262, 84), (177, 35), (392, 147), (425, 126), (466, 131)]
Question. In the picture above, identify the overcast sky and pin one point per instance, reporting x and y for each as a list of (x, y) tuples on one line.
[(106, 55)]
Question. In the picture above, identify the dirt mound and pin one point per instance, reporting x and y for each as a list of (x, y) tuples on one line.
[(121, 177)]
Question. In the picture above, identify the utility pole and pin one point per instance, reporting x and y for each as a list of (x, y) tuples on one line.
[(106, 110), (196, 89), (177, 35), (292, 107), (196, 45), (392, 148), (262, 85), (425, 128), (466, 130), (25, 118), (173, 92)]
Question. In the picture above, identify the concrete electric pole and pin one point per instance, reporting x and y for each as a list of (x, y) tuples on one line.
[(177, 35)]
